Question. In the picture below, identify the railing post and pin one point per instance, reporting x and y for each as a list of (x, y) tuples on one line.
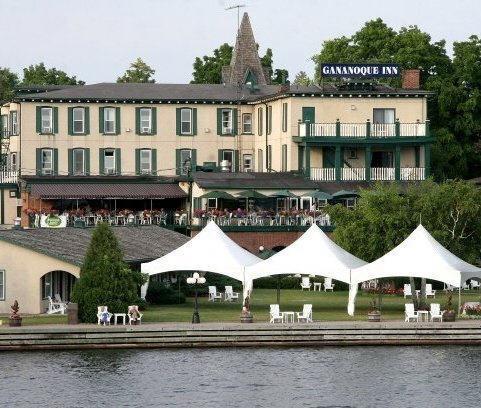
[(367, 163), (397, 128), (298, 127), (308, 162), (368, 129), (397, 163), (338, 128), (337, 162), (428, 130)]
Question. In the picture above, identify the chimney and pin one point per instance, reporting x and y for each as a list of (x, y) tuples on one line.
[(411, 78)]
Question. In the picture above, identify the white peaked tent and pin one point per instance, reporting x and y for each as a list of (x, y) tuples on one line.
[(419, 256), (313, 253), (209, 251)]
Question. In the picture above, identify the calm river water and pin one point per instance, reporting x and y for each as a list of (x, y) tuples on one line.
[(325, 377)]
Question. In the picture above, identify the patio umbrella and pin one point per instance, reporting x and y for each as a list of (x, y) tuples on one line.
[(218, 194), (344, 194), (320, 195), (250, 194), (284, 194)]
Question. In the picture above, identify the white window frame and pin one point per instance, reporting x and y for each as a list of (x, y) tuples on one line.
[(74, 170), (2, 284), (114, 120), (145, 128), (232, 161), (209, 206), (46, 116), (82, 120), (250, 159), (44, 169), (186, 121), (147, 170), (247, 123), (184, 159), (112, 169), (14, 121), (227, 123)]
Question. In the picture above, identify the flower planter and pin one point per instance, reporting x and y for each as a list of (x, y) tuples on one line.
[(374, 316), (135, 322), (246, 318), (15, 322), (449, 316)]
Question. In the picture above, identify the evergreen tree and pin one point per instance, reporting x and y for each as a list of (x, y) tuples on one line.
[(139, 72), (302, 79), (105, 279)]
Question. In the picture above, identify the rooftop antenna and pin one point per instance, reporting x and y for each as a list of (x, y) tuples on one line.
[(238, 7)]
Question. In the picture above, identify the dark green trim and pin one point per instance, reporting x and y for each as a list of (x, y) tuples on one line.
[(38, 119), (397, 162), (338, 162), (265, 228), (117, 121), (234, 122), (427, 161), (153, 119), (193, 125), (367, 162), (328, 141), (86, 121)]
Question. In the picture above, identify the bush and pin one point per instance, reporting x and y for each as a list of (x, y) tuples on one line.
[(160, 293)]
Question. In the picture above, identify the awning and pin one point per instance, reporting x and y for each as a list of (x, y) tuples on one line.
[(284, 194), (106, 190), (218, 194)]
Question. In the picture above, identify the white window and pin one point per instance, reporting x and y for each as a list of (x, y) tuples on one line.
[(78, 118), (47, 161), (78, 161), (2, 285), (247, 123), (227, 121), (247, 164), (229, 156), (14, 122), (109, 120), (186, 121), (13, 161), (146, 161), (383, 115), (109, 161), (145, 120), (47, 120), (211, 203), (185, 160)]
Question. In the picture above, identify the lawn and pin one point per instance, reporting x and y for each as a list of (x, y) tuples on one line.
[(326, 307)]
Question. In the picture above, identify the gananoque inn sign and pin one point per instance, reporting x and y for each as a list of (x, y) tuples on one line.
[(360, 70)]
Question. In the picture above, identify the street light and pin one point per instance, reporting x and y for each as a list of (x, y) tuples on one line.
[(195, 280)]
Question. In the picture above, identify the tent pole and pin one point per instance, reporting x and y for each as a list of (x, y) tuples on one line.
[(459, 297)]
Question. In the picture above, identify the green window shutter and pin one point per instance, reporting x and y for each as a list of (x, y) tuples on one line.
[(269, 110), (219, 156), (55, 162), (101, 120), (55, 120), (234, 119), (154, 121), (87, 121), (194, 121), (236, 161), (39, 119), (177, 121), (101, 162), (137, 161), (70, 161), (177, 161), (38, 165), (87, 161), (219, 121), (154, 162), (118, 124), (193, 160), (118, 162), (137, 121), (70, 121)]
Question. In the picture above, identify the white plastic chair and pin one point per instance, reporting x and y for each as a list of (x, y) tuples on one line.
[(55, 307), (328, 285), (213, 294), (101, 311), (274, 314), (410, 313), (134, 309), (430, 291), (230, 295), (306, 314), (466, 286), (407, 290), (305, 283), (474, 284), (435, 312)]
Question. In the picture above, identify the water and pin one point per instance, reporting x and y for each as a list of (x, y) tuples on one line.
[(324, 377)]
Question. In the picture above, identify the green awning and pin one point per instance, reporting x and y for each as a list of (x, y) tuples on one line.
[(251, 194), (320, 195), (284, 194), (218, 194), (345, 193)]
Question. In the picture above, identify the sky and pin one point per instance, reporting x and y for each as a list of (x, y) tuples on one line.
[(96, 40)]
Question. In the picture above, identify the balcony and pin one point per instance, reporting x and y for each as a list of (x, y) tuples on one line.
[(8, 177), (364, 130), (360, 174)]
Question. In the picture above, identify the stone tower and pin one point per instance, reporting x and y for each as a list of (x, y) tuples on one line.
[(245, 66)]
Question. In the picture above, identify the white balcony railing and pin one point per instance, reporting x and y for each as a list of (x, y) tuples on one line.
[(323, 174), (8, 177), (412, 173), (353, 173), (382, 173), (359, 130), (323, 129), (412, 129), (303, 129), (353, 129), (383, 130)]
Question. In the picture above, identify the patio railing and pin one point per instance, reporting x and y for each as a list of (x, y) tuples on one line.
[(301, 219)]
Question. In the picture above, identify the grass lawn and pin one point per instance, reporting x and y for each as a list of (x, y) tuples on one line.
[(326, 307)]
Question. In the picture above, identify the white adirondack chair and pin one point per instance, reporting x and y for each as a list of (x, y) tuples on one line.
[(474, 284), (328, 285), (213, 294), (274, 314), (409, 312), (133, 314), (55, 307), (466, 286), (305, 283), (407, 290), (230, 295), (306, 314), (103, 315), (435, 312), (430, 291)]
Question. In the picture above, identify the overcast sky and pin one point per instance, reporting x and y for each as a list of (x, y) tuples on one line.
[(97, 39)]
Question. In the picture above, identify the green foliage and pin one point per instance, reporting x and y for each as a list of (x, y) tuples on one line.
[(139, 72), (105, 279), (160, 293), (208, 69), (38, 74), (8, 81), (302, 79)]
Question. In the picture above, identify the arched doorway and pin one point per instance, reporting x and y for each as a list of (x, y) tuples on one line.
[(56, 283)]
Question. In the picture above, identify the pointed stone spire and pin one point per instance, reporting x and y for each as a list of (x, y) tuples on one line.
[(245, 65)]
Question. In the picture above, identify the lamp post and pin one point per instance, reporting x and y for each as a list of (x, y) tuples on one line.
[(195, 280)]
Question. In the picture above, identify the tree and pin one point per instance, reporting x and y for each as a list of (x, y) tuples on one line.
[(208, 69), (8, 81), (105, 279), (302, 79), (139, 72), (38, 74)]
